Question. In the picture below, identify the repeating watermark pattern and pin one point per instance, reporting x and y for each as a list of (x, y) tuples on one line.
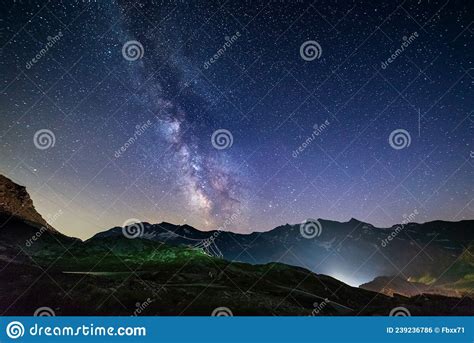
[(222, 139), (44, 139), (141, 307), (222, 312), (407, 41), (311, 228), (319, 307), (29, 242), (44, 312), (210, 247), (229, 220), (15, 330), (310, 50), (148, 235), (50, 219), (400, 312), (399, 228), (229, 42), (399, 139), (209, 244), (132, 50), (51, 41), (317, 130), (139, 130), (133, 228)]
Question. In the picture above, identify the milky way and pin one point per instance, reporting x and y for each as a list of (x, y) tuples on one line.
[(204, 177)]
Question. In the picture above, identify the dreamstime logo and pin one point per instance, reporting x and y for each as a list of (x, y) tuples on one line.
[(311, 228), (44, 312), (132, 228), (15, 330), (407, 41), (208, 245), (399, 228), (140, 307), (139, 130), (317, 130), (50, 219), (132, 50), (319, 307), (29, 242), (229, 42), (44, 139), (222, 139), (310, 50), (399, 139), (51, 42), (222, 312), (400, 312)]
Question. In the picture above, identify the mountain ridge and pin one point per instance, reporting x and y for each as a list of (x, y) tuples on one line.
[(338, 245), (20, 205), (177, 227)]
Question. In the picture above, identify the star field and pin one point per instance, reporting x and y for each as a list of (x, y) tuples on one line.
[(160, 111)]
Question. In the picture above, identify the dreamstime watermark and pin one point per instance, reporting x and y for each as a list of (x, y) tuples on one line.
[(222, 139), (218, 54), (29, 242), (44, 139), (44, 312), (222, 312), (229, 220), (148, 235), (400, 312), (310, 50), (50, 220), (407, 41), (133, 228), (139, 130), (51, 41), (16, 329), (399, 139), (319, 307), (209, 244), (132, 50), (399, 228), (311, 228), (318, 129), (141, 307)]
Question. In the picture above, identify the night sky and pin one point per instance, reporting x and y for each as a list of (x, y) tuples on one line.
[(264, 112)]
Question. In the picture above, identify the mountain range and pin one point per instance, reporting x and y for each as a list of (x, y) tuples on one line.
[(353, 250), (167, 269)]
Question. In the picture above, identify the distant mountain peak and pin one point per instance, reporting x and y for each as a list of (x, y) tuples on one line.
[(174, 227), (356, 221)]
